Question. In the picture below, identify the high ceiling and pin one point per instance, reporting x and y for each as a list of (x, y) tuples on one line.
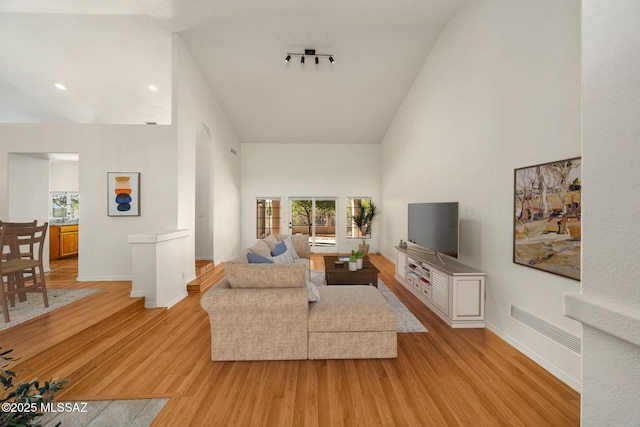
[(107, 53)]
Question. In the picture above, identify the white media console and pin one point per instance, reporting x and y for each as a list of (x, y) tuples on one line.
[(452, 290)]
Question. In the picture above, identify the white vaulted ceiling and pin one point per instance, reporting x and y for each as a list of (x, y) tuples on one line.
[(107, 53)]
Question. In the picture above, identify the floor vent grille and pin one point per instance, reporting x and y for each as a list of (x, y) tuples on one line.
[(550, 331)]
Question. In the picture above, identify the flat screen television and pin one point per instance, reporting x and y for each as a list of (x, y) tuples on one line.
[(434, 226)]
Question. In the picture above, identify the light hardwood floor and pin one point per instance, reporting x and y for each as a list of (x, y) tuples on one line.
[(110, 347)]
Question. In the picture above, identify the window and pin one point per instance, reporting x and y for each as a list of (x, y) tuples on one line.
[(268, 217), (65, 206), (354, 207)]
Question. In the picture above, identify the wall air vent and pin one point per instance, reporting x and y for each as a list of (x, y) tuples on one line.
[(550, 331)]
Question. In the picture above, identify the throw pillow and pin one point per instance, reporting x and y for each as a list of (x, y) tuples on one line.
[(257, 259), (289, 243), (284, 258), (260, 248), (271, 241), (279, 249), (314, 295)]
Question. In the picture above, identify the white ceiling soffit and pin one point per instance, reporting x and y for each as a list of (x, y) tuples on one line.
[(379, 48)]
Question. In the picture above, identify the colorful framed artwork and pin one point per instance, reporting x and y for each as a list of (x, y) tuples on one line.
[(547, 230), (123, 193)]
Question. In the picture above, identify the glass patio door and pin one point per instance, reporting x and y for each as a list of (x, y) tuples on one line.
[(317, 218)]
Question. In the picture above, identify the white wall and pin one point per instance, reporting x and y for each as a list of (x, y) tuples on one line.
[(609, 304), (204, 196), (150, 150), (310, 170), (28, 188), (195, 106), (28, 198), (165, 158), (63, 176), (499, 91)]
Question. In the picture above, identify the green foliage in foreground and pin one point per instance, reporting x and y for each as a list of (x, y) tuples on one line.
[(21, 403)]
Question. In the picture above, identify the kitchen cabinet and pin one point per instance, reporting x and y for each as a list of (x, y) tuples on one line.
[(63, 241)]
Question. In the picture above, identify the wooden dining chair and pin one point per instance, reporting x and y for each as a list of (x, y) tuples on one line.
[(24, 252), (15, 266)]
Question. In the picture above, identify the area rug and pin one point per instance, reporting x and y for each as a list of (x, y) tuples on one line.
[(98, 413), (34, 306), (407, 322)]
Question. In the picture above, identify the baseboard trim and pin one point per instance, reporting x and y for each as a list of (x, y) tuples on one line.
[(153, 304), (104, 278), (574, 383), (177, 299)]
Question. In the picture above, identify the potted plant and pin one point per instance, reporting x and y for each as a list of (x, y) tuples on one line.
[(363, 221), (353, 263), (359, 258)]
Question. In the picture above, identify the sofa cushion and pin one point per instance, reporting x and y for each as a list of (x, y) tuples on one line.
[(265, 275), (300, 243), (257, 259), (351, 308), (242, 258), (260, 248), (303, 261), (283, 258), (289, 245), (271, 241), (280, 248)]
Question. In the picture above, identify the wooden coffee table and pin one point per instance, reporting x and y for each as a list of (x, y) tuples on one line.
[(368, 275)]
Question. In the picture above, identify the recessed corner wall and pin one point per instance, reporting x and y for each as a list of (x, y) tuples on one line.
[(196, 106)]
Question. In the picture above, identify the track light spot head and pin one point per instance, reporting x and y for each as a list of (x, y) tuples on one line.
[(311, 53)]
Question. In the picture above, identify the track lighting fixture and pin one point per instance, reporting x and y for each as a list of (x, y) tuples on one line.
[(309, 52)]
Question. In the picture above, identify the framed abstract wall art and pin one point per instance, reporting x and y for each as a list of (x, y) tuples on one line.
[(123, 193), (548, 219)]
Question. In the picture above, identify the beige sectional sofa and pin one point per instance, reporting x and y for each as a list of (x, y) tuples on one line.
[(264, 312)]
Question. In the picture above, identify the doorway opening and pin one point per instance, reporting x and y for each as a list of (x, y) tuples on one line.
[(53, 179)]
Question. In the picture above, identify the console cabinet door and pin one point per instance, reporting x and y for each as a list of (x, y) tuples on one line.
[(468, 298)]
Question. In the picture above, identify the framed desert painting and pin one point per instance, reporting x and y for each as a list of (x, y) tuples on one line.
[(123, 193), (547, 223)]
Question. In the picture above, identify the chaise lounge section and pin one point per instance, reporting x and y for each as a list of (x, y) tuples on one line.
[(351, 322)]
